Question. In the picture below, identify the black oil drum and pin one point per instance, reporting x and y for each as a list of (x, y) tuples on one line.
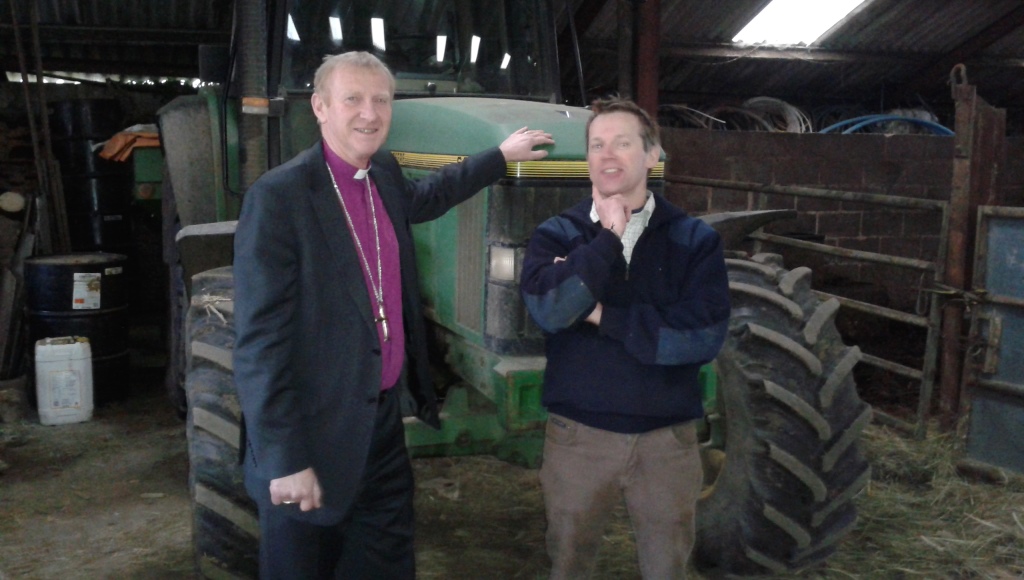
[(85, 118), (84, 295), (88, 194), (97, 191), (102, 231)]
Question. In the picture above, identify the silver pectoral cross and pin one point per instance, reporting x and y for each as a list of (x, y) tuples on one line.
[(383, 320)]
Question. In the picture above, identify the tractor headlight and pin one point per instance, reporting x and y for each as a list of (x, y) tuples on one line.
[(503, 263)]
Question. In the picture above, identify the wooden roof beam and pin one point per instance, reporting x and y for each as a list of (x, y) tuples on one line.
[(121, 67), (113, 36), (736, 51), (714, 52)]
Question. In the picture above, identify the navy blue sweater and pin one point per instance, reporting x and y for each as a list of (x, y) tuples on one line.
[(663, 316)]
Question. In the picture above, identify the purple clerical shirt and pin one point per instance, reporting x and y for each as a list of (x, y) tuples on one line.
[(353, 191)]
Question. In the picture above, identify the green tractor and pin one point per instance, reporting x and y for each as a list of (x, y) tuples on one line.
[(783, 417)]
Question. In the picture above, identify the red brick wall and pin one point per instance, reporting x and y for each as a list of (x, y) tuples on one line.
[(916, 166)]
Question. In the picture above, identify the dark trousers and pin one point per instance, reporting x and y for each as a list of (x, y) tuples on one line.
[(374, 541)]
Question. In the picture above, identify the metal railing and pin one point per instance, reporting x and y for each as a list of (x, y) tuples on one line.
[(932, 321)]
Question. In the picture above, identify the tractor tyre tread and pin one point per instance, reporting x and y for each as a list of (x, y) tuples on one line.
[(785, 494), (225, 528)]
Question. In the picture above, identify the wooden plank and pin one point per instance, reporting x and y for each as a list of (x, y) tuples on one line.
[(11, 353), (979, 153), (8, 289)]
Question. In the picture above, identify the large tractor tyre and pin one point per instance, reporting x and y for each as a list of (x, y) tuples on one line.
[(225, 527), (779, 496), (174, 376), (190, 174)]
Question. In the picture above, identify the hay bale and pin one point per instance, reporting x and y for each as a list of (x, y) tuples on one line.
[(920, 518)]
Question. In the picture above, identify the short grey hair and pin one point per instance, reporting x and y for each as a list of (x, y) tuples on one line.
[(356, 59)]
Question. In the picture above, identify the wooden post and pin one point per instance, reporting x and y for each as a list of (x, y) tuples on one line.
[(979, 150), (648, 32)]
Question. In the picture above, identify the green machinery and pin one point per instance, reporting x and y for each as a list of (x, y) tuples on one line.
[(469, 263), (782, 414)]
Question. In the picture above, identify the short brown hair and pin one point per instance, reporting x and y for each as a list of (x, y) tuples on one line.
[(648, 128), (356, 59)]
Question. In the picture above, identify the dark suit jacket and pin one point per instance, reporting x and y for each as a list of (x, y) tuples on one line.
[(307, 360)]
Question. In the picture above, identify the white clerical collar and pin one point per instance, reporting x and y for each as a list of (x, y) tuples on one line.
[(361, 173)]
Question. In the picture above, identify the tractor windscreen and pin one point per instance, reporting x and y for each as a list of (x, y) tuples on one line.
[(434, 47)]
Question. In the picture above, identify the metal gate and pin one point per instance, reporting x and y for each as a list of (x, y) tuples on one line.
[(994, 366)]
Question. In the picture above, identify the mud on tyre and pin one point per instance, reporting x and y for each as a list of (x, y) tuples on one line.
[(779, 496), (225, 528)]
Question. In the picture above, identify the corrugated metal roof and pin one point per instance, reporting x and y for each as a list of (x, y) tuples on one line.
[(918, 26), (117, 36), (888, 53)]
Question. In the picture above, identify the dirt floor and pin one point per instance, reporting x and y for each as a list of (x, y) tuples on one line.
[(108, 498)]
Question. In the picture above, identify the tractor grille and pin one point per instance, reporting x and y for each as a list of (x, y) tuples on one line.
[(515, 210), (470, 264)]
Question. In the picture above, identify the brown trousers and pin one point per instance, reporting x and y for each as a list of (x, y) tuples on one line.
[(586, 473)]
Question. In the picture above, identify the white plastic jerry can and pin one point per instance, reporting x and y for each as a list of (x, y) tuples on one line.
[(64, 380)]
